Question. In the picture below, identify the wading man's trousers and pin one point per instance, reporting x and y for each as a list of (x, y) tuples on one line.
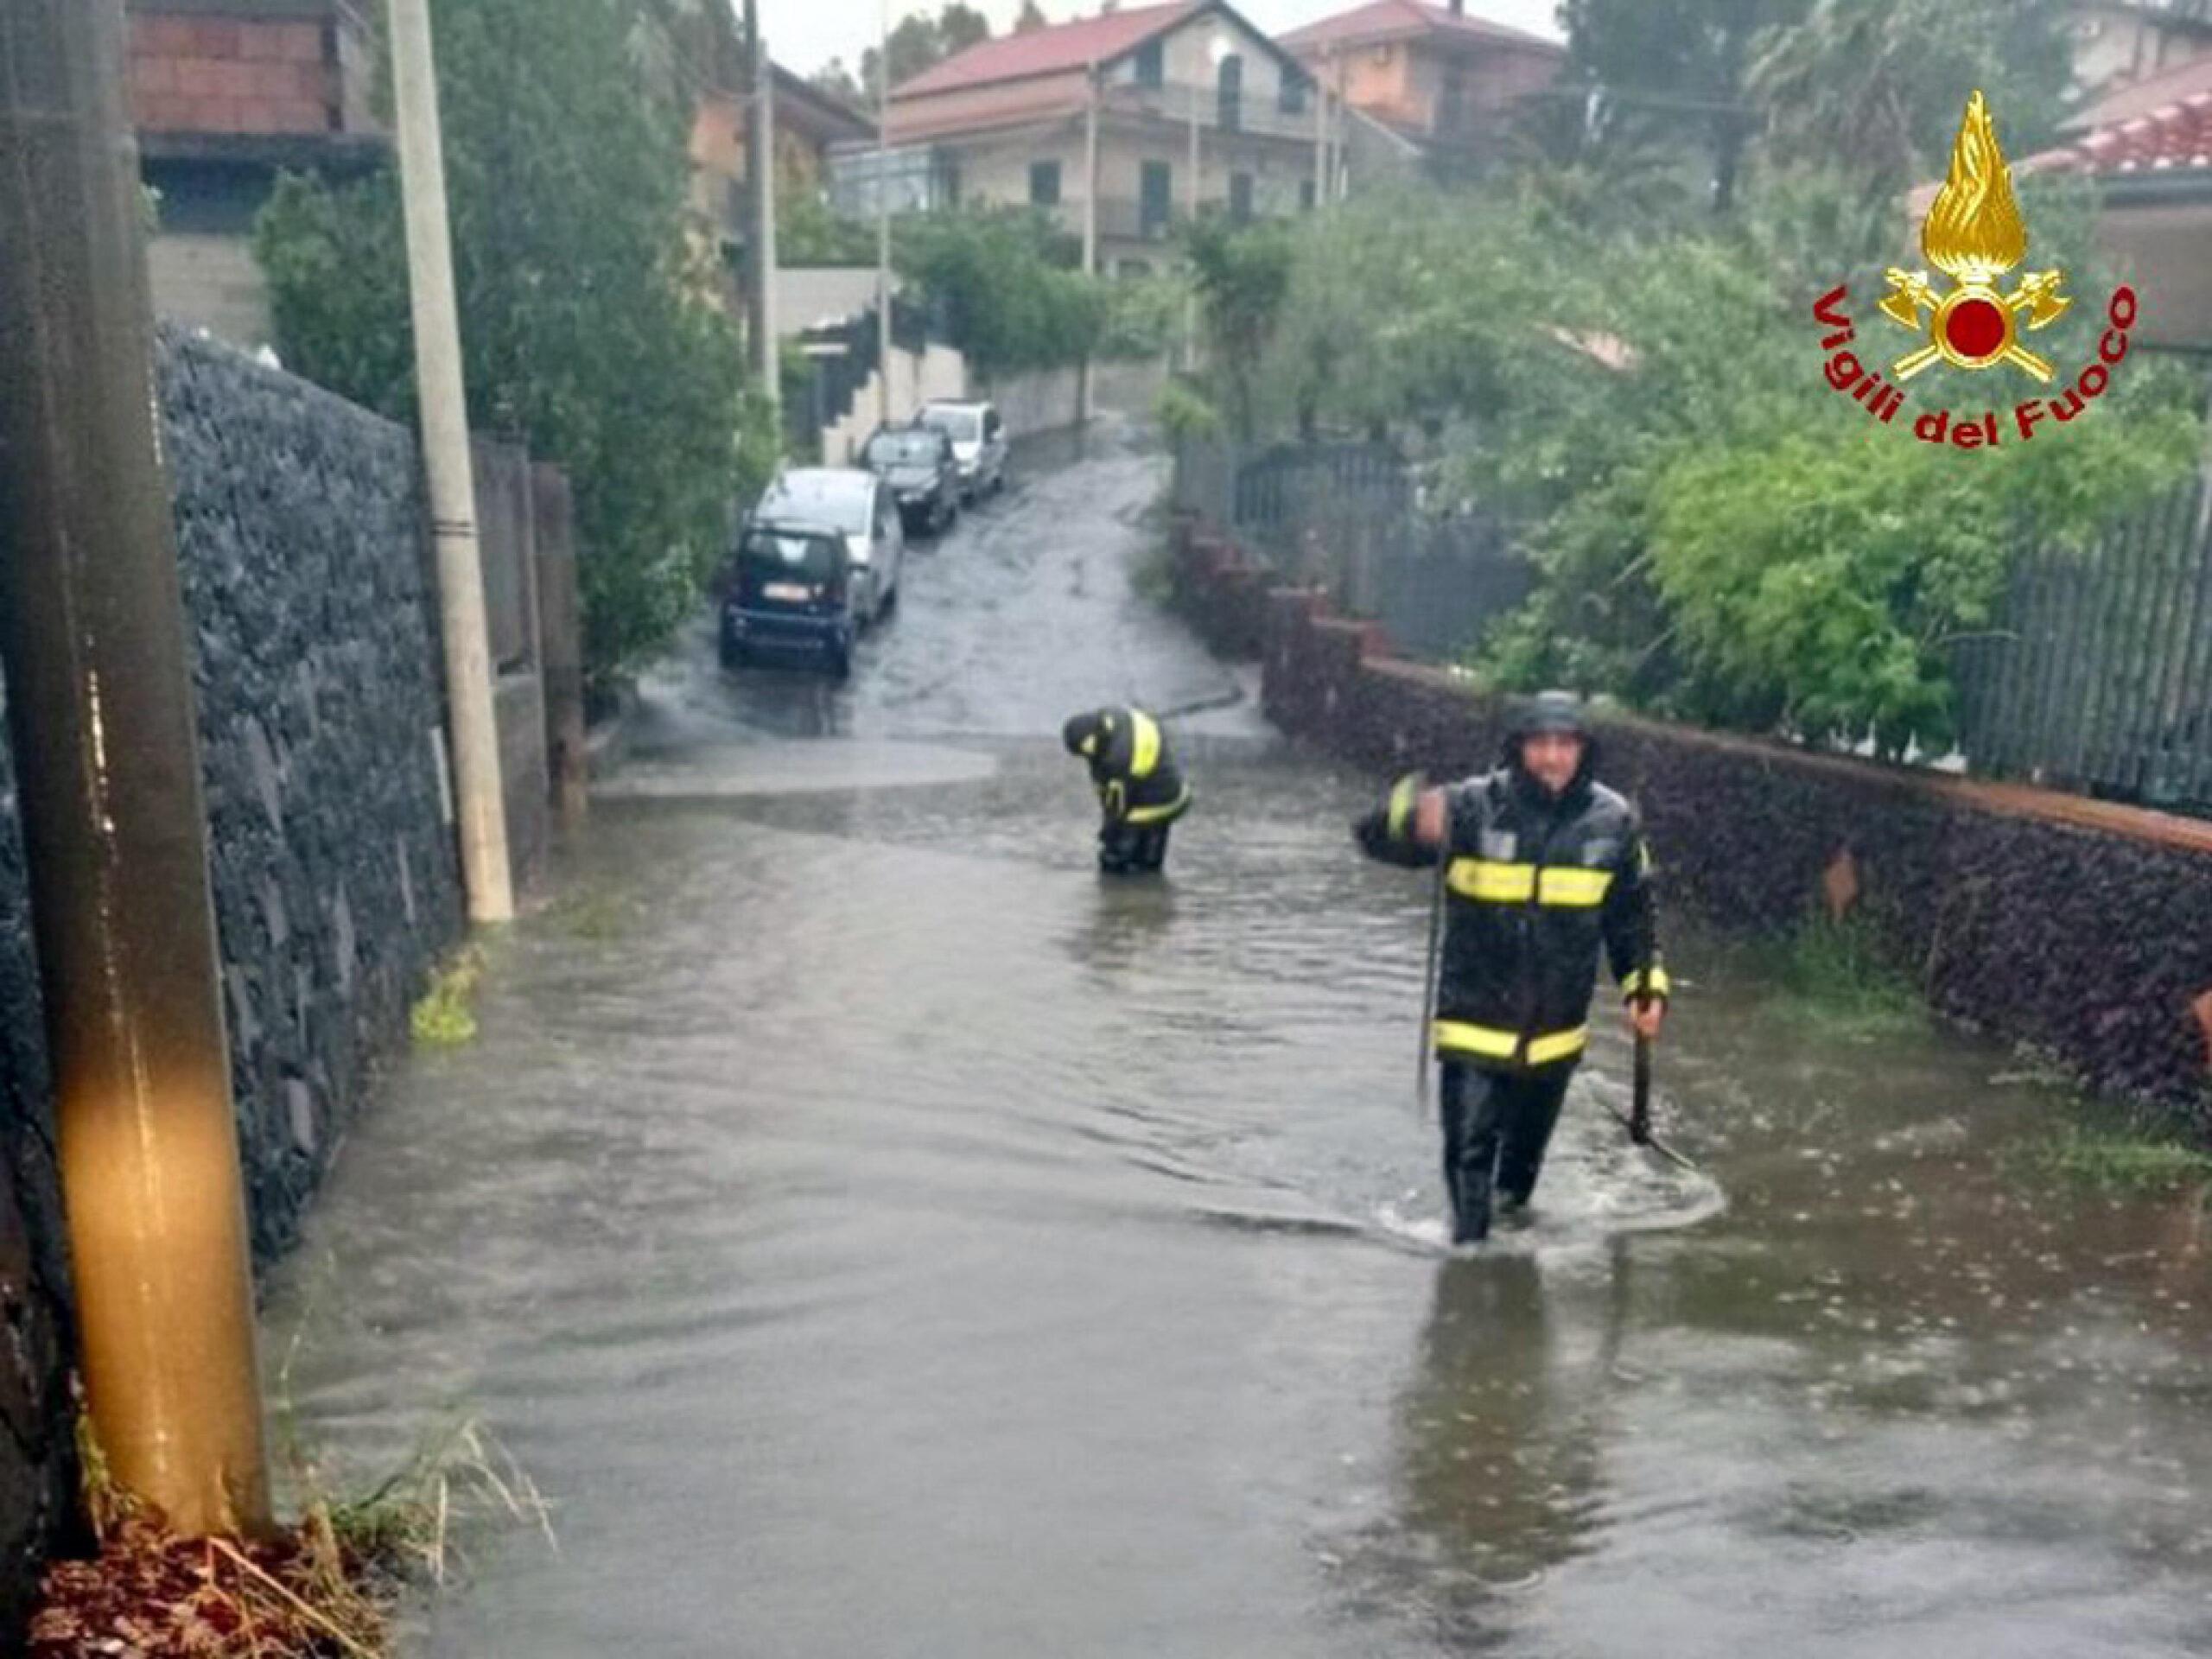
[(1496, 1125)]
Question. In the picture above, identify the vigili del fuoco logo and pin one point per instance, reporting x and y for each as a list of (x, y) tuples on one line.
[(1974, 235)]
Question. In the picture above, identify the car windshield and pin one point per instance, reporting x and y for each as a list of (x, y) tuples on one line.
[(961, 425), (903, 448), (790, 556)]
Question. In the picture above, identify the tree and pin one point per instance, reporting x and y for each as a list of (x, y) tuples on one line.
[(1002, 285), (584, 324), (919, 42), (1874, 88), (1673, 72), (836, 79), (1032, 18), (1243, 277)]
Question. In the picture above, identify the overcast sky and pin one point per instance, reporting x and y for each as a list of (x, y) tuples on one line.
[(803, 35)]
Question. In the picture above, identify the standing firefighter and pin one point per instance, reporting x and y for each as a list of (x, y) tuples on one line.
[(1140, 790), (1543, 864)]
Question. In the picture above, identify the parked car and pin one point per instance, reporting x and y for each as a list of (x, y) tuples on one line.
[(978, 444), (792, 591), (917, 463), (855, 505)]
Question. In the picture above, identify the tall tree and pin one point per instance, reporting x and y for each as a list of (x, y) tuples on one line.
[(1874, 88), (584, 320), (1032, 17), (919, 42), (1673, 72)]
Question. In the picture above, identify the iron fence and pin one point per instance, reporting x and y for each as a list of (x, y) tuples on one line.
[(2096, 674), (1348, 518)]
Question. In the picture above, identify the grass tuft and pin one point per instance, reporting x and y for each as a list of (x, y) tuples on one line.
[(323, 1587), (2143, 1160), (443, 1018), (1835, 972)]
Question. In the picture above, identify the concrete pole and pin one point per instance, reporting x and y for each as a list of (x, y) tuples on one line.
[(107, 755), (481, 807), (1320, 140), (1090, 171), (760, 202), (1190, 298), (883, 216)]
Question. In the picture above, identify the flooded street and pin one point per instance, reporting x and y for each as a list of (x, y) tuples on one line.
[(880, 1237)]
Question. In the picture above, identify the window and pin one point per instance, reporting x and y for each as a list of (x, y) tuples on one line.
[(1156, 194), (1151, 64), (1044, 184), (1240, 198), (1292, 97), (1231, 83)]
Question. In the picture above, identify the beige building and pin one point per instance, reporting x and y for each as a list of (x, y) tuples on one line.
[(1122, 125), (2117, 42), (1441, 80)]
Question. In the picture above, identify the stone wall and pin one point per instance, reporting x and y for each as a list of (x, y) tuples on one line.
[(37, 1452), (300, 532), (2078, 927)]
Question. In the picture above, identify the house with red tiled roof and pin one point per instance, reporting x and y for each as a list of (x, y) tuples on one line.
[(2149, 153), (1122, 125), (1441, 78)]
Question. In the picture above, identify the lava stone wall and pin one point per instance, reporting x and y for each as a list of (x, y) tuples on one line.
[(2078, 927), (37, 1450), (301, 535)]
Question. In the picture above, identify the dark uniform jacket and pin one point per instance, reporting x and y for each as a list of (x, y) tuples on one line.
[(1534, 887), (1136, 777)]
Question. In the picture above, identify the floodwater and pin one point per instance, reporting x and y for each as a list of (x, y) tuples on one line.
[(880, 1237)]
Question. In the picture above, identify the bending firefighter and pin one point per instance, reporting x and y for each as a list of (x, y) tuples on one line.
[(1140, 790), (1542, 865)]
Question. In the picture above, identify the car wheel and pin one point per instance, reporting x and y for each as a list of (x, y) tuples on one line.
[(890, 602), (734, 654), (841, 662)]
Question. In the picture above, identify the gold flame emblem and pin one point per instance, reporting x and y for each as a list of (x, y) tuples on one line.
[(1975, 234)]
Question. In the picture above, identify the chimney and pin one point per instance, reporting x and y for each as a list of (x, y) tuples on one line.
[(1459, 8)]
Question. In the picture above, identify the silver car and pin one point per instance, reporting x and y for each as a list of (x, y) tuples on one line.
[(978, 443), (857, 505)]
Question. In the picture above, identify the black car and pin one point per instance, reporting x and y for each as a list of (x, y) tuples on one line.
[(792, 591), (917, 464)]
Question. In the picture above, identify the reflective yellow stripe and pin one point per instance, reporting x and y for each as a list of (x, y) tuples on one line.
[(1487, 881), (1402, 800), (1145, 744), (1578, 888), (1558, 1044), (1154, 814), (1661, 985), (1493, 1042), (1461, 1039)]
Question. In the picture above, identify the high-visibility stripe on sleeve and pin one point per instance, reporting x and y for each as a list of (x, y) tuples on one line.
[(1403, 799)]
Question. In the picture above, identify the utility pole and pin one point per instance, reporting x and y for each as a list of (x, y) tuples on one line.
[(444, 407), (760, 202), (1090, 171), (883, 216), (107, 755)]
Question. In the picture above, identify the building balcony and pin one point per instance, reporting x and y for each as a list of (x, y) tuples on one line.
[(1174, 103)]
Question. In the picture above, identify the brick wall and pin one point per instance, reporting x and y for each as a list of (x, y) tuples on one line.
[(208, 72)]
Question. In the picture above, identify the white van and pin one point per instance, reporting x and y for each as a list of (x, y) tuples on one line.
[(978, 443), (856, 504)]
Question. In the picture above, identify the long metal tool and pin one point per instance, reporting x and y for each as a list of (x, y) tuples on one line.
[(1422, 1050)]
